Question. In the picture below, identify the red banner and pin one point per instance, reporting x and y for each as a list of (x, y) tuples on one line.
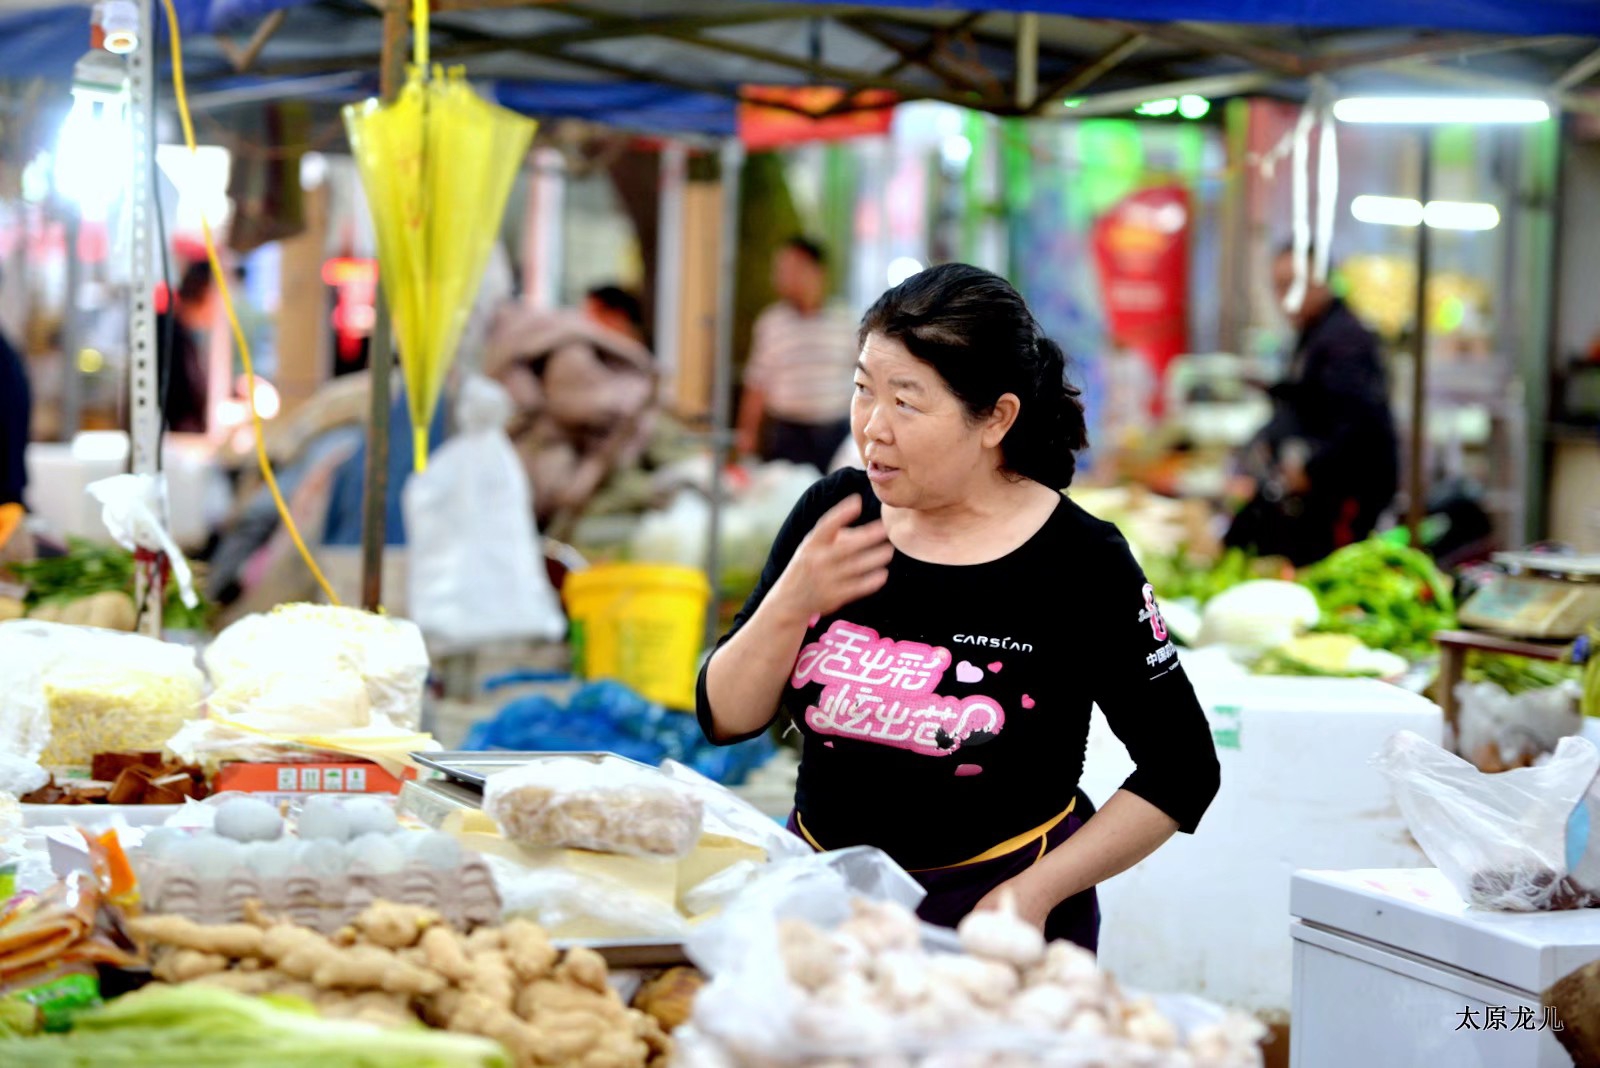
[(771, 116), (1142, 249)]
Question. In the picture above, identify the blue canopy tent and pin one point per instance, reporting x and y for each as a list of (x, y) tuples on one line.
[(680, 67)]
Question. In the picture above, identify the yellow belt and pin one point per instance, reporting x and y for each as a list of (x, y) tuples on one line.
[(1010, 845)]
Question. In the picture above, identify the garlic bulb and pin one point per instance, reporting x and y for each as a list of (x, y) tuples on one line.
[(880, 927), (810, 956), (1002, 935)]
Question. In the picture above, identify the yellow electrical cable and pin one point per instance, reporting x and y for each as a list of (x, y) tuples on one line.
[(233, 319)]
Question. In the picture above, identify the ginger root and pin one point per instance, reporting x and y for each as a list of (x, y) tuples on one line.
[(446, 953), (228, 940), (585, 968), (532, 955), (374, 968), (182, 965), (394, 926)]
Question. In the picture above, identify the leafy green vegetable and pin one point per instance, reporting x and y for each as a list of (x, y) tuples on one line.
[(1517, 674), (1389, 595), (1278, 662), (89, 568), (1178, 576), (196, 1026)]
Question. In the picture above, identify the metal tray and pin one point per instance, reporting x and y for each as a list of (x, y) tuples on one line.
[(471, 769)]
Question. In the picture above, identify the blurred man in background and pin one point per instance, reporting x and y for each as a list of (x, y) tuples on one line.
[(188, 322), (797, 387), (16, 417), (616, 309), (1325, 467)]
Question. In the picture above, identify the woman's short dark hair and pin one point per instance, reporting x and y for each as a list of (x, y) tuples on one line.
[(973, 328)]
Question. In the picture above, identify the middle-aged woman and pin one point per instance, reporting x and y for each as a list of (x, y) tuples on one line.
[(938, 626)]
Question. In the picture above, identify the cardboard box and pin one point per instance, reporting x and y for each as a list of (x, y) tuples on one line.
[(290, 779)]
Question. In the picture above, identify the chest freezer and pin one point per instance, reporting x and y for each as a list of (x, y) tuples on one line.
[(1207, 914), (1393, 970)]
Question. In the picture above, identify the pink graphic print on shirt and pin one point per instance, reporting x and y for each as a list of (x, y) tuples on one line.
[(879, 690)]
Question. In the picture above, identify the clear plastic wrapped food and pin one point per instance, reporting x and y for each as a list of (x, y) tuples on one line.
[(67, 693), (609, 806)]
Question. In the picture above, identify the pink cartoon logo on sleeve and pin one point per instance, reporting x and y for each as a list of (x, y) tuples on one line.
[(1152, 613), (879, 690)]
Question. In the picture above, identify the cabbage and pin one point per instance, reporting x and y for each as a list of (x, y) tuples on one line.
[(1256, 617), (197, 1026)]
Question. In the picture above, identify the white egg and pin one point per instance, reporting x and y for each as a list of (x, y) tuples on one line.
[(248, 819), (370, 815), (434, 848), (322, 856), (380, 852), (323, 816)]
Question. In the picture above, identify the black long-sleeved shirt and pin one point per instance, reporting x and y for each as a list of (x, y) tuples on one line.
[(15, 413), (949, 711)]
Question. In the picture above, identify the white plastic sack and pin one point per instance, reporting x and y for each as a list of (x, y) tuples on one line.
[(608, 806), (318, 669), (1500, 839), (477, 570), (67, 692), (1514, 726)]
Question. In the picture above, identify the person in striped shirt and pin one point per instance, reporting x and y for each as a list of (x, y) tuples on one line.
[(797, 387)]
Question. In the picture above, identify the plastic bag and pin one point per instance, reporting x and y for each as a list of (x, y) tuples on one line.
[(608, 806), (1512, 729), (572, 905), (875, 997), (1500, 839), (131, 508), (355, 668), (477, 569), (67, 693), (727, 813)]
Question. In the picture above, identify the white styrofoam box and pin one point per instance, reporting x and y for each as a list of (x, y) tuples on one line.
[(59, 476), (1388, 961), (1208, 914)]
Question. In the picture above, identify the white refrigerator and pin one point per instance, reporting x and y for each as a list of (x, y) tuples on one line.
[(1393, 970)]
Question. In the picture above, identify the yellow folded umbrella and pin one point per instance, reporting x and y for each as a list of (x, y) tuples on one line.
[(437, 165)]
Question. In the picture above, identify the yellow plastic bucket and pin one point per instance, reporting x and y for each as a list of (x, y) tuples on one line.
[(641, 624)]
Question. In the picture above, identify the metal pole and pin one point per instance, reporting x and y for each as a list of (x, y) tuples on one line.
[(732, 166), (380, 368), (1027, 60), (669, 261), (72, 330), (144, 392), (1417, 479)]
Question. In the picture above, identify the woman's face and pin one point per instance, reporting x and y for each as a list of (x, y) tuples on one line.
[(913, 434)]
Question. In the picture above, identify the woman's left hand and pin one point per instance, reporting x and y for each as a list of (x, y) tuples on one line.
[(1031, 904)]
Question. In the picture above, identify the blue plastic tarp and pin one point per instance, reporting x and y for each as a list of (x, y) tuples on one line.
[(1581, 17), (629, 105)]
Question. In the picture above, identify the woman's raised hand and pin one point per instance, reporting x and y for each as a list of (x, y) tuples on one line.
[(836, 564)]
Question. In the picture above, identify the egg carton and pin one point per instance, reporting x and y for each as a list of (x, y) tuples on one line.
[(465, 895)]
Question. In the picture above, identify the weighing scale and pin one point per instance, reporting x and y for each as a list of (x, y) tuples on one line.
[(1543, 596)]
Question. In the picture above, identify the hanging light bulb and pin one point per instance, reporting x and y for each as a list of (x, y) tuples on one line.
[(95, 152), (119, 22)]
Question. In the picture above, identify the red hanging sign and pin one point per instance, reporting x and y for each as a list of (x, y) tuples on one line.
[(1142, 249)]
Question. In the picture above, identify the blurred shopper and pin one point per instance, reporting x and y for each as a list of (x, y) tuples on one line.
[(796, 388), (1326, 466), (188, 323), (616, 309), (16, 415)]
